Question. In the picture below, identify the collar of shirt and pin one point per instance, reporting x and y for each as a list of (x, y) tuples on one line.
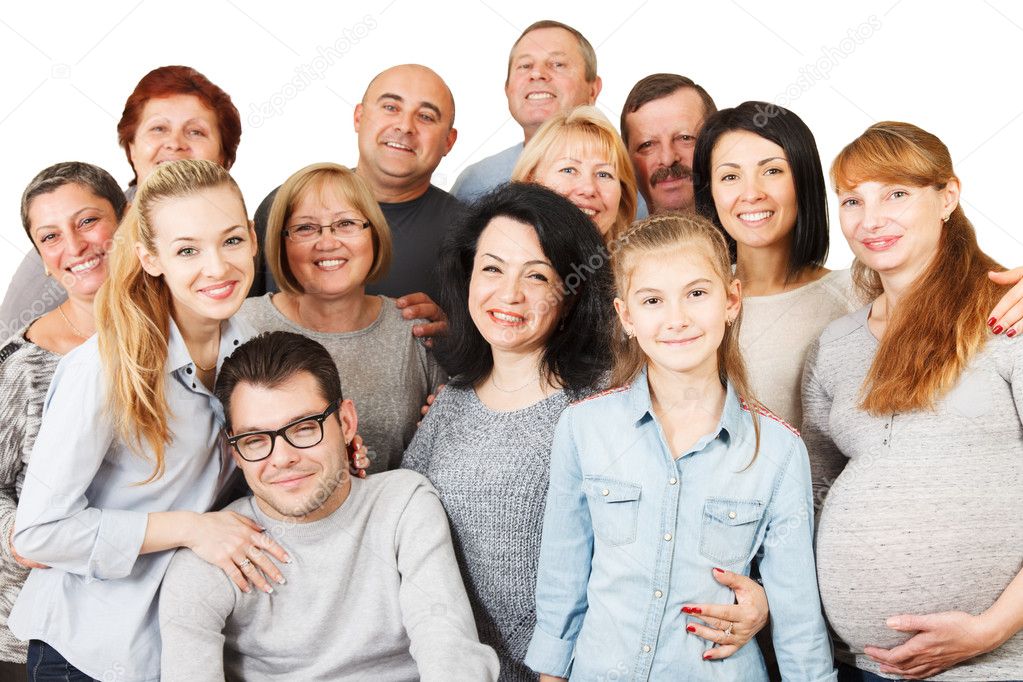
[(733, 424), (233, 332)]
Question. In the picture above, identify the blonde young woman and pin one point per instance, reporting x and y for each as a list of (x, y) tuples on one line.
[(129, 454), (326, 239), (580, 155), (912, 419)]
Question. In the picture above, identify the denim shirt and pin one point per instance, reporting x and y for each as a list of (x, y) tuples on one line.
[(631, 534)]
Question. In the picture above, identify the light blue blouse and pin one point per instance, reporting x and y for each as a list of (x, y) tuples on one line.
[(83, 513), (631, 534)]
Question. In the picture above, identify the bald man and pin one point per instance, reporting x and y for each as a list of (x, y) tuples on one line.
[(406, 125)]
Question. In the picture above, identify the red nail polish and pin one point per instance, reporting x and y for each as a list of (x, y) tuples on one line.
[(992, 321), (686, 609), (718, 570), (696, 609), (997, 329), (1011, 333), (691, 628), (706, 656)]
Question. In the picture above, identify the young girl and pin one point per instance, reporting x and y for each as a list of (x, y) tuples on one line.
[(678, 473), (129, 454)]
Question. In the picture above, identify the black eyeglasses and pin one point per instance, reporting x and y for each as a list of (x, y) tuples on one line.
[(307, 232), (301, 433)]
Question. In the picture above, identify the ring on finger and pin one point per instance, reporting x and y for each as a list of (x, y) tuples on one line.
[(728, 630), (245, 564)]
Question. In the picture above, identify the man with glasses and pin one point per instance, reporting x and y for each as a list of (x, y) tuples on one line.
[(372, 588)]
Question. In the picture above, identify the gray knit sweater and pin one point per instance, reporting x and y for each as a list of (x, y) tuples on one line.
[(925, 509), (373, 593), (25, 373), (385, 370), (491, 470)]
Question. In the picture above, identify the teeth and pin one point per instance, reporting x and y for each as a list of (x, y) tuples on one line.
[(333, 262), (398, 145), (588, 211), (87, 265), (219, 290), (753, 217), (507, 318), (539, 95)]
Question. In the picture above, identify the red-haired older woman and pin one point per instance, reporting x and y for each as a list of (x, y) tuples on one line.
[(173, 113)]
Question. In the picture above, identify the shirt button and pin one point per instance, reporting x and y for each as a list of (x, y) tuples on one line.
[(658, 594), (646, 648), (605, 492), (188, 370), (731, 514), (885, 442), (672, 481), (667, 536), (236, 342), (886, 426)]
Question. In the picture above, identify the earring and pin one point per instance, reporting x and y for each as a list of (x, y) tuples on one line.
[(47, 271), (945, 219), (728, 321), (629, 334)]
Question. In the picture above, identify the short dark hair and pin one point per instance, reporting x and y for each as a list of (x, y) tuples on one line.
[(576, 353), (271, 359), (788, 131), (658, 86), (52, 178)]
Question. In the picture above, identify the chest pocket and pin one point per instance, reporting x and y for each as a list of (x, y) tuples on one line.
[(614, 509), (728, 529)]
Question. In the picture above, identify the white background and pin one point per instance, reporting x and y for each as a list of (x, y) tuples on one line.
[(950, 67)]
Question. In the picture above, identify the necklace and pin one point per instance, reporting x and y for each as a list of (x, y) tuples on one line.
[(509, 390), (68, 323), (211, 367)]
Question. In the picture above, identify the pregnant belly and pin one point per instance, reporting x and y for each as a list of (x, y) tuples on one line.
[(891, 543)]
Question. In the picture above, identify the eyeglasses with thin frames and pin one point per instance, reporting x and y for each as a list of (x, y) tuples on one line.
[(302, 433), (341, 228)]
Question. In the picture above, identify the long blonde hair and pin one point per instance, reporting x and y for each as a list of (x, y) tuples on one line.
[(133, 312), (939, 325), (586, 128), (673, 233)]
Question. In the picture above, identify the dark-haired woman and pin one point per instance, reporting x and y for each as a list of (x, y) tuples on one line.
[(173, 113), (526, 338), (759, 178), (912, 420)]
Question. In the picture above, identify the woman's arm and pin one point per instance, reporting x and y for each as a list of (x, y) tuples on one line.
[(790, 576), (565, 553)]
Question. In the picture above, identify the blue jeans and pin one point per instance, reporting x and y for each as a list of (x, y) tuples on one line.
[(45, 664)]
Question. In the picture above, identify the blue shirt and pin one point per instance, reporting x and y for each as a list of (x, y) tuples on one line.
[(485, 175), (82, 513), (631, 534)]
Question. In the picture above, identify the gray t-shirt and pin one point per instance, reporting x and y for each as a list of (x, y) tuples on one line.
[(923, 510), (486, 174), (418, 227), (385, 371), (372, 593)]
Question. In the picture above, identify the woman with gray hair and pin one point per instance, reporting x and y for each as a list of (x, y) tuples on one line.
[(70, 212)]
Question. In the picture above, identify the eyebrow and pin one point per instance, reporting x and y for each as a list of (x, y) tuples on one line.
[(73, 215), (256, 429), (528, 262), (426, 104), (761, 162), (652, 290), (555, 53), (222, 233)]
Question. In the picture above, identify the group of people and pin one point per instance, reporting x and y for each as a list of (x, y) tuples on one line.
[(600, 413)]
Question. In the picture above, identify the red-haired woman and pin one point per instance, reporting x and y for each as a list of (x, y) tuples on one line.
[(173, 113), (911, 415)]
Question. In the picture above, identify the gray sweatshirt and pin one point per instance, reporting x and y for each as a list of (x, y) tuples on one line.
[(923, 510), (373, 592)]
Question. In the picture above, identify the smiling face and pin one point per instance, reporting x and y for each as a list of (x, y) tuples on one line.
[(72, 228), (547, 74), (895, 228), (172, 128), (332, 265), (405, 128), (662, 141), (514, 292), (585, 176), (204, 246), (677, 307), (753, 190), (294, 483)]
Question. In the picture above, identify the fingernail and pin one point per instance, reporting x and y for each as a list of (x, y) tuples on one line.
[(696, 609), (1011, 333), (718, 570), (997, 329), (691, 628), (686, 609), (281, 580), (992, 321), (269, 590), (706, 656), (287, 558)]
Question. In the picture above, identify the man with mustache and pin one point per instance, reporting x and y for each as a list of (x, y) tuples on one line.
[(661, 118), (552, 68), (405, 123), (371, 588)]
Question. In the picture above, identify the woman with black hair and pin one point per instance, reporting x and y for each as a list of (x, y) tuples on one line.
[(526, 287)]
